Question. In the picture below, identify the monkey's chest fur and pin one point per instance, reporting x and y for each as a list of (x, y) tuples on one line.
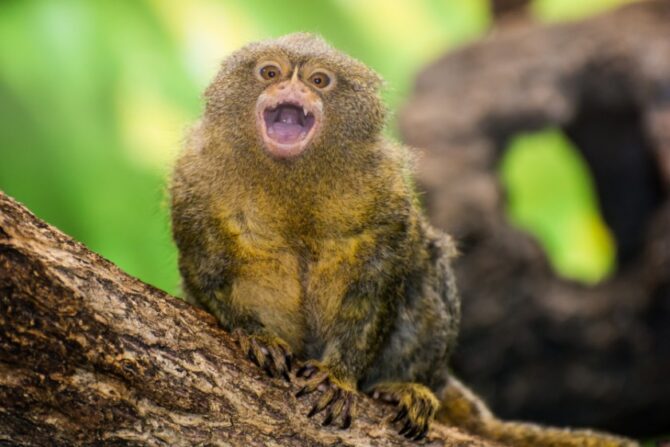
[(295, 287), (357, 261), (292, 283)]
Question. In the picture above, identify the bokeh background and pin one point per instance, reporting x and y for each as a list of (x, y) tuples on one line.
[(95, 98)]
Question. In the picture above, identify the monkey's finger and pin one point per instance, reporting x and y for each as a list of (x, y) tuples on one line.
[(313, 384), (336, 407), (307, 371), (330, 412), (326, 398), (252, 357), (243, 341), (286, 353), (238, 334), (278, 362), (259, 355)]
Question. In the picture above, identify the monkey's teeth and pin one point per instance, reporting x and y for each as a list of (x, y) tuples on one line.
[(304, 112)]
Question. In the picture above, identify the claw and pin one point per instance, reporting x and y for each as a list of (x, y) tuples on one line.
[(412, 432), (405, 428), (252, 357), (346, 423), (301, 392), (328, 419), (285, 376), (326, 399), (401, 414), (422, 434)]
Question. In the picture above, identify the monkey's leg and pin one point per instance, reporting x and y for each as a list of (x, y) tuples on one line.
[(358, 305), (416, 406), (462, 408)]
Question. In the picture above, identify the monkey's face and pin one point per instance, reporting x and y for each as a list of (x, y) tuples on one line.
[(289, 111), (295, 95)]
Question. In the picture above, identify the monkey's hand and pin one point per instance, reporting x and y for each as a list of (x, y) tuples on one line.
[(338, 398), (267, 351), (416, 406)]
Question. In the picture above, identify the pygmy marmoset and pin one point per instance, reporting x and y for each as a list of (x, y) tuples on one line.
[(298, 227)]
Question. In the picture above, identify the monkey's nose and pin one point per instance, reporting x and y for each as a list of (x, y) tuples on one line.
[(297, 86)]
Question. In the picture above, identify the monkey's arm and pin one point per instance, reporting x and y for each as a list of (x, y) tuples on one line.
[(209, 263), (355, 287)]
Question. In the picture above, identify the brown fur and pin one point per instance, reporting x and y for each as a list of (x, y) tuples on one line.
[(326, 255)]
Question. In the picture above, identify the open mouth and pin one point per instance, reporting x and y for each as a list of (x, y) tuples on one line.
[(288, 123)]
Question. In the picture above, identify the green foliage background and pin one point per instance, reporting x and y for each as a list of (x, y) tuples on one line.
[(96, 95)]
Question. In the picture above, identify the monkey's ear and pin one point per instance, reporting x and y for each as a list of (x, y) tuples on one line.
[(368, 80), (378, 83), (368, 77)]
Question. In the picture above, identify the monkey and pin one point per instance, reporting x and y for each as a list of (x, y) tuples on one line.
[(299, 228)]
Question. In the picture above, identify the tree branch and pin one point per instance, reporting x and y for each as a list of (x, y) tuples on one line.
[(89, 354)]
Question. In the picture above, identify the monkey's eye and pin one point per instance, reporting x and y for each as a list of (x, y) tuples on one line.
[(320, 79), (269, 72)]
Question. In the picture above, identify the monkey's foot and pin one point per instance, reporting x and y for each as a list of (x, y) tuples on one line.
[(338, 399), (267, 351), (416, 406)]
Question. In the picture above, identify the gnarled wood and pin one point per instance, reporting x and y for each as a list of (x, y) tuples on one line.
[(90, 355), (535, 345)]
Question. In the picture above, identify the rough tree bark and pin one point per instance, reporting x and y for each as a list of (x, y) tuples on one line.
[(534, 344), (90, 355)]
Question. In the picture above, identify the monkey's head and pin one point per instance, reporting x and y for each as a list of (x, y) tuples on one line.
[(294, 95)]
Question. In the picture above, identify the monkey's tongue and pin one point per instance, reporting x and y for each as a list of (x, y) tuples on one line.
[(286, 132)]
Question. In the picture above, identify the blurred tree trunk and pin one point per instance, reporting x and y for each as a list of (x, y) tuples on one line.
[(90, 355), (509, 11), (535, 345)]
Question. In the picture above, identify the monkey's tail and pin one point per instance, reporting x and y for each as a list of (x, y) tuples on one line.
[(462, 408)]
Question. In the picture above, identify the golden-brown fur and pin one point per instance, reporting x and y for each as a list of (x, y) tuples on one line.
[(325, 256)]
